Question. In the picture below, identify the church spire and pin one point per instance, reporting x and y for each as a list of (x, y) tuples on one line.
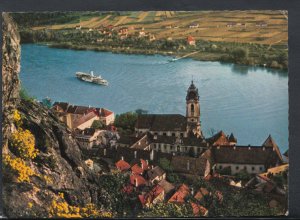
[(193, 109)]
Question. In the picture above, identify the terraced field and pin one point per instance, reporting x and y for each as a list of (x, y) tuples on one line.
[(213, 25)]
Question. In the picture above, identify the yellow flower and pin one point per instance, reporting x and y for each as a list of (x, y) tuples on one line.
[(30, 205)]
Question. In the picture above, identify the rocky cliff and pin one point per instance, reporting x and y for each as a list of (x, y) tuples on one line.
[(58, 166)]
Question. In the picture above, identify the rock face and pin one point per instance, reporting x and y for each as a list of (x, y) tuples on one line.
[(10, 69), (59, 157)]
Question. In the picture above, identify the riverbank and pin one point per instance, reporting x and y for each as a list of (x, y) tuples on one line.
[(201, 55)]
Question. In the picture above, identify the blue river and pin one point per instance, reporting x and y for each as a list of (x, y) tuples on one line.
[(251, 102)]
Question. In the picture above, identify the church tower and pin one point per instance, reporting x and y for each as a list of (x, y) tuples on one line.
[(193, 110)]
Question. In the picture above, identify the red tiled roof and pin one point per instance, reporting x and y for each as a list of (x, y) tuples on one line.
[(180, 194), (145, 166), (201, 193), (199, 210), (105, 112), (136, 169), (137, 180), (190, 38), (150, 196), (84, 119), (122, 165)]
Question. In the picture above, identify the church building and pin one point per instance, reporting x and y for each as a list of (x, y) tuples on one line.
[(175, 125)]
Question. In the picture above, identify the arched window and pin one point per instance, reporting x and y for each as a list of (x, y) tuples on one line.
[(192, 109)]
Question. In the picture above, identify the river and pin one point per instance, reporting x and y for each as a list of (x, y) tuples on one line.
[(251, 102)]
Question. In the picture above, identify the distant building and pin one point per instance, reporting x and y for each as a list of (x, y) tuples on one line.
[(142, 34), (261, 24), (231, 24), (151, 37), (194, 25), (78, 27), (191, 41), (123, 31)]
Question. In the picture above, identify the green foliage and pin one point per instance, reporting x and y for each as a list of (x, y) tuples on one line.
[(172, 177), (225, 171), (24, 95), (240, 54), (243, 175), (126, 121), (141, 111), (243, 203), (97, 124), (165, 164), (168, 210), (111, 196)]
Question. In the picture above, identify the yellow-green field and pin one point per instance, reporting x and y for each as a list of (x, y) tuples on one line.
[(213, 25)]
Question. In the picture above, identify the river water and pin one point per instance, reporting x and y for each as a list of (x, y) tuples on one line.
[(250, 102)]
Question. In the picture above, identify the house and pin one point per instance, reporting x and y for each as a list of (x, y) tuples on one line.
[(278, 170), (169, 39), (110, 27), (155, 195), (123, 31), (81, 117), (231, 24), (261, 24), (136, 169), (88, 137), (78, 27), (122, 165), (190, 166), (180, 195), (167, 187), (191, 41), (142, 34), (168, 26), (194, 25), (144, 164), (201, 194), (199, 210), (151, 37), (253, 159), (138, 180), (221, 138), (156, 174), (107, 117)]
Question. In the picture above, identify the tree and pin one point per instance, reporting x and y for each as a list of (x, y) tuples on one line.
[(240, 54), (165, 164), (168, 210), (97, 124), (141, 111), (126, 120)]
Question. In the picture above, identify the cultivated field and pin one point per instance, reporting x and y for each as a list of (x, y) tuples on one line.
[(262, 27)]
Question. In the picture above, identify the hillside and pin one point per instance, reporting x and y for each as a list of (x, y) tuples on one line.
[(262, 27)]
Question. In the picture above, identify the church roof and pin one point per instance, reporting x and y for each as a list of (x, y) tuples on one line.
[(232, 138), (162, 122), (218, 139), (269, 142), (244, 155), (192, 92)]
